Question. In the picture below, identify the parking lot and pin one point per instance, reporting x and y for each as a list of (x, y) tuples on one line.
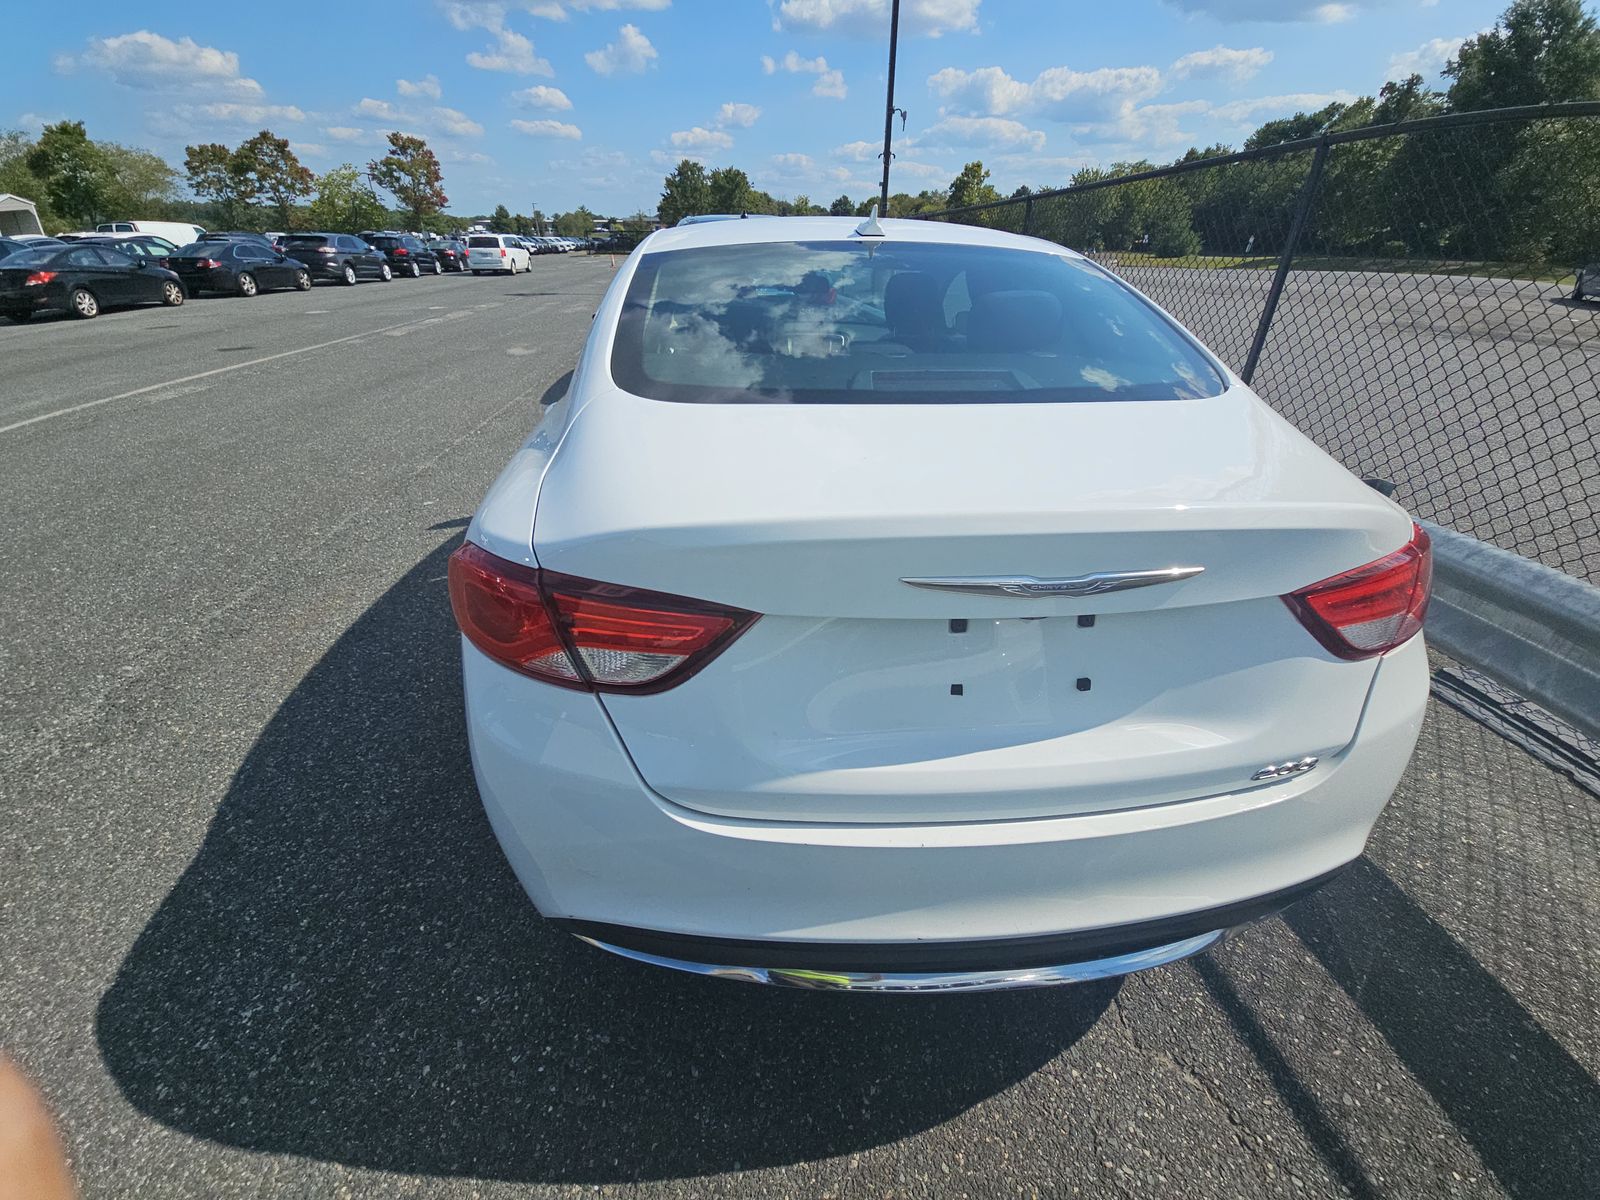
[(260, 940)]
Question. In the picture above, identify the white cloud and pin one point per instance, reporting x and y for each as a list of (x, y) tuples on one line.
[(870, 18), (919, 170), (454, 121), (345, 133), (793, 162), (1222, 62), (381, 109), (742, 115), (427, 86), (630, 54), (1060, 92), (1154, 124), (548, 128), (1426, 60), (512, 53), (475, 14), (148, 60), (999, 133), (1246, 112), (858, 151), (666, 158), (829, 82), (1271, 10), (701, 139), (252, 114), (541, 96), (557, 10), (304, 149)]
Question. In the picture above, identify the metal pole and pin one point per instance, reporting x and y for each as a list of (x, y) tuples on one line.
[(888, 108), (1302, 209), (1027, 215)]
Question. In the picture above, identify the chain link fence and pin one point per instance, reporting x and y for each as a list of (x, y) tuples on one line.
[(1404, 294)]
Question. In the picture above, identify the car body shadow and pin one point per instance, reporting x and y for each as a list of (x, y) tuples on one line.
[(348, 971)]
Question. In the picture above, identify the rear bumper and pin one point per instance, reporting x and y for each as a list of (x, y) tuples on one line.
[(985, 964), (49, 298), (597, 849)]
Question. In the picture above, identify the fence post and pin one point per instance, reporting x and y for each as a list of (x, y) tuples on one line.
[(1302, 209), (1027, 216)]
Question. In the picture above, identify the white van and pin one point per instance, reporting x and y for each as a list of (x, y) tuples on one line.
[(179, 233), (496, 252)]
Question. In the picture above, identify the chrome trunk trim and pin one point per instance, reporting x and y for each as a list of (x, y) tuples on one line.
[(1027, 586)]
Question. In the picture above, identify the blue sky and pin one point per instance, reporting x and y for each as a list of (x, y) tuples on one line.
[(553, 103)]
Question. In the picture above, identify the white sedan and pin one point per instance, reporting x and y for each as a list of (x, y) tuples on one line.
[(906, 606)]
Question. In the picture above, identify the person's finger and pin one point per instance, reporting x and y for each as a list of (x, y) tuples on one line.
[(33, 1162)]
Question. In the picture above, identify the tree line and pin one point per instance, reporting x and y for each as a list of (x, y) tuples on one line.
[(1527, 192), (78, 182)]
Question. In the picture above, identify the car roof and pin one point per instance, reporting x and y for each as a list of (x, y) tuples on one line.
[(835, 229)]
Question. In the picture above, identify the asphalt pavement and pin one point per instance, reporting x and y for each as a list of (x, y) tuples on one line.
[(256, 938)]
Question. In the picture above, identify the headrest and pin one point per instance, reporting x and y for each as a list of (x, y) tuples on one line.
[(1014, 321), (912, 304)]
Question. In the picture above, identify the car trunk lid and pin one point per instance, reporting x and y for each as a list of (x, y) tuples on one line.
[(858, 697)]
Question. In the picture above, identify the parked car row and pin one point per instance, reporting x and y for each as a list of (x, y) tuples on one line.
[(81, 273)]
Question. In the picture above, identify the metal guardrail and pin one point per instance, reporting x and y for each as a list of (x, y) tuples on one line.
[(1521, 623)]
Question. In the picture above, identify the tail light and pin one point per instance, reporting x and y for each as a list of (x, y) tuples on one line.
[(209, 263), (38, 279), (325, 250), (577, 633), (502, 251), (1372, 609), (401, 252)]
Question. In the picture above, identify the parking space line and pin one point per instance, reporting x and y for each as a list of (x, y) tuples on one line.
[(156, 387)]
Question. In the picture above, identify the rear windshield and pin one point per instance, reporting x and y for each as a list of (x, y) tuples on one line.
[(482, 243), (32, 258), (876, 322), (305, 239)]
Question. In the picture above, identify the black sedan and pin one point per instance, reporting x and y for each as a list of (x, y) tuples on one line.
[(81, 280), (452, 254), (241, 268)]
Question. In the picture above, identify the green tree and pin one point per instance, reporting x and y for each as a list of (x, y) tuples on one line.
[(1539, 52), (501, 219), (275, 173), (1554, 182), (730, 191), (1408, 100), (972, 186), (410, 173), (842, 207), (345, 204), (72, 172), (142, 184), (16, 178), (214, 174), (1296, 128), (577, 223), (685, 192)]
